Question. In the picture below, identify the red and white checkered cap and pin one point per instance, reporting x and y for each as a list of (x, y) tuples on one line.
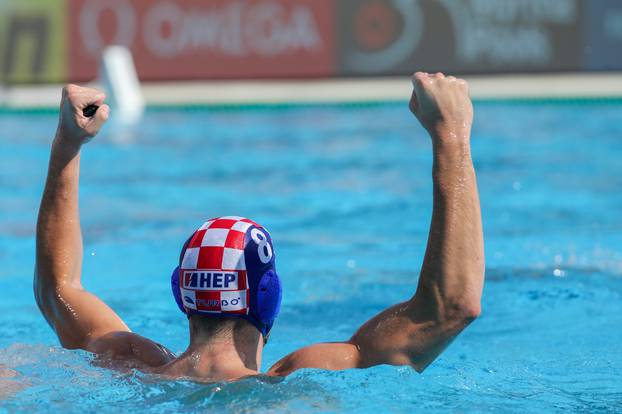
[(218, 244), (213, 274)]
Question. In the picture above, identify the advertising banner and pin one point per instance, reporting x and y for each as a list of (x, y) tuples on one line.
[(467, 36), (195, 39), (32, 41), (603, 32), (62, 40)]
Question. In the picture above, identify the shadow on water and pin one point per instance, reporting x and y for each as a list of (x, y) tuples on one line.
[(250, 395), (32, 376)]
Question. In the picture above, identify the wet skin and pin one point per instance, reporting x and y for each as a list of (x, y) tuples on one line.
[(412, 333)]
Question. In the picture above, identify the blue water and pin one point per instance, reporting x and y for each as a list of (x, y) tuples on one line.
[(346, 194)]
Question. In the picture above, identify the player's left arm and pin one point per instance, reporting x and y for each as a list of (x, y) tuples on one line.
[(80, 319), (448, 296)]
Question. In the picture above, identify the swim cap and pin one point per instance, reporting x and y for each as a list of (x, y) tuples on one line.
[(227, 268)]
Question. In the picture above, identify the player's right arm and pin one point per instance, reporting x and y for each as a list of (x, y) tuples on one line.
[(450, 285), (79, 318)]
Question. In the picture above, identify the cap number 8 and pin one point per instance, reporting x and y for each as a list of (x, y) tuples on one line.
[(264, 250)]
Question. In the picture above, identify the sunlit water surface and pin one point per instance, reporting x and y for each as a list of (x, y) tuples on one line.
[(346, 194)]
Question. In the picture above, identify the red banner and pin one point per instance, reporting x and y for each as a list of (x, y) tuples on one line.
[(195, 39), (62, 40)]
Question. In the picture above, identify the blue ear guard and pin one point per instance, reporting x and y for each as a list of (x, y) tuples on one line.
[(176, 290), (269, 297)]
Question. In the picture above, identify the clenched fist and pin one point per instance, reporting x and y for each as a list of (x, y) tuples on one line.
[(442, 105), (73, 125)]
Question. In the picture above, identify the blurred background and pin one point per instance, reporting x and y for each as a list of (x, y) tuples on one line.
[(57, 41), (294, 113)]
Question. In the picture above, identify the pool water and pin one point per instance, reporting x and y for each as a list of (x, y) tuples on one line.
[(346, 194)]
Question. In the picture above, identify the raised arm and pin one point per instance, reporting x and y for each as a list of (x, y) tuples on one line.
[(75, 315), (79, 318), (450, 285)]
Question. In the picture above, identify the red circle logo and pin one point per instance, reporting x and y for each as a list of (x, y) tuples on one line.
[(376, 25)]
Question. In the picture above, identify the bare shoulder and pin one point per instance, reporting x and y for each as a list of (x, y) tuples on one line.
[(333, 356), (132, 348)]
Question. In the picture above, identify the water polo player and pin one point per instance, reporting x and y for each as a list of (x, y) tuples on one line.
[(226, 280)]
